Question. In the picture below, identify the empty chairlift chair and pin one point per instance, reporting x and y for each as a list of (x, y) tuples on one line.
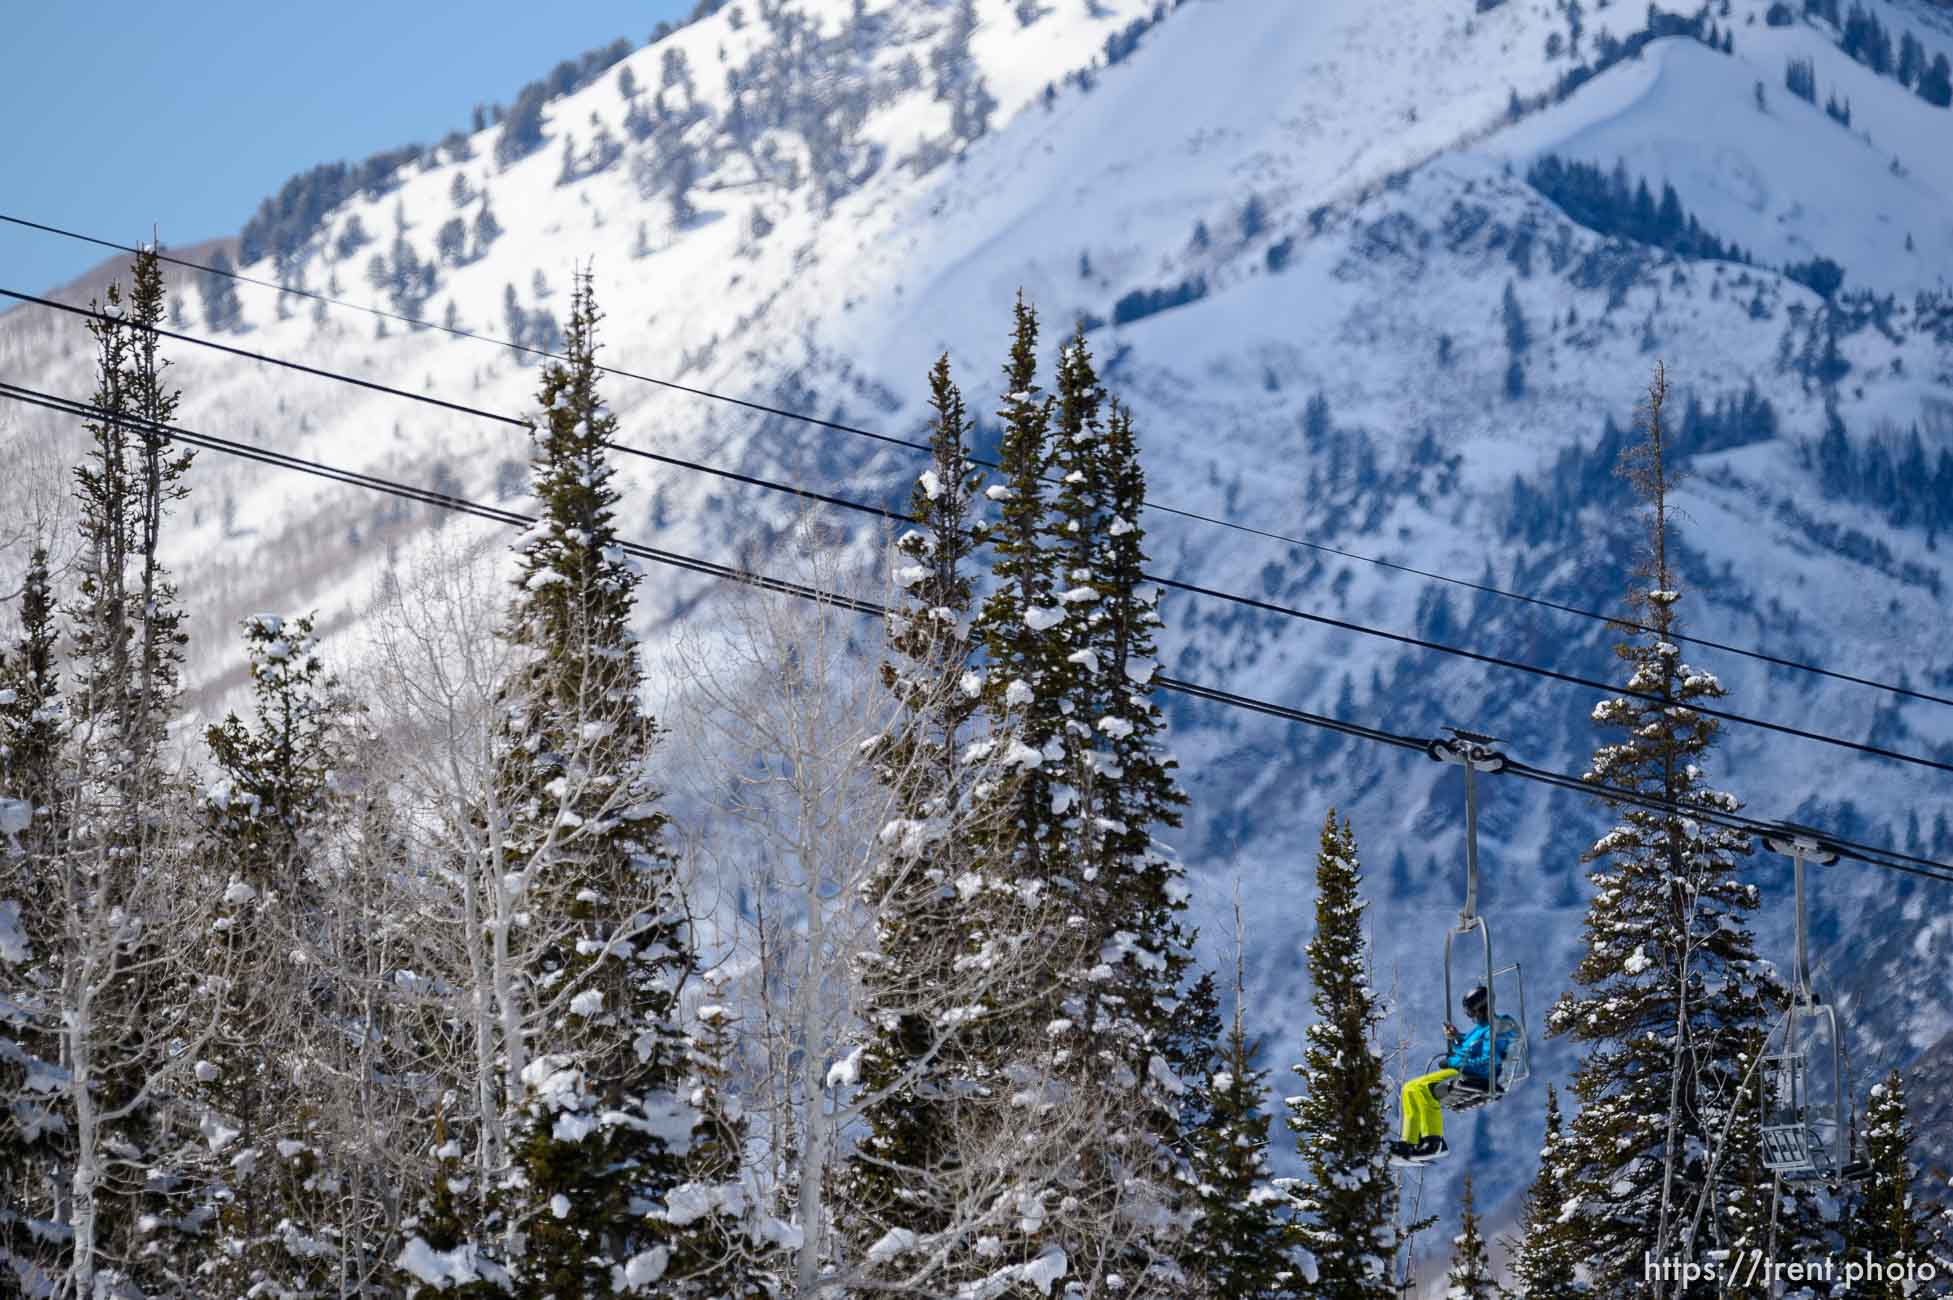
[(1807, 1119)]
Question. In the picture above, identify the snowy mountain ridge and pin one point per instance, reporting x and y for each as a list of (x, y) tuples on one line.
[(1332, 196)]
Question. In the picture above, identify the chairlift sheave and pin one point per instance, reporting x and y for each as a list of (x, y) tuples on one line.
[(1510, 1051)]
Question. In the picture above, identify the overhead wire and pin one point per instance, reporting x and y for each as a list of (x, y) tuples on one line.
[(1262, 606), (841, 427), (1891, 859), (426, 496), (1871, 855)]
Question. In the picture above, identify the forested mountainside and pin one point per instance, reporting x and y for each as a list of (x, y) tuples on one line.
[(1381, 283)]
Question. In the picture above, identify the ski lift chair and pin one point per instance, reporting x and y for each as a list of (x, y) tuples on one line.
[(1805, 1135), (1807, 1121), (1511, 1060), (1511, 1056)]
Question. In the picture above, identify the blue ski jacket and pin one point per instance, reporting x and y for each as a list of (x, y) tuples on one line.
[(1472, 1054)]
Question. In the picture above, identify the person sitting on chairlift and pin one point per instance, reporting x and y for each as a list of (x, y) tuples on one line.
[(1468, 1060)]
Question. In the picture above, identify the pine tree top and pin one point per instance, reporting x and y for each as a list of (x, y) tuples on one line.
[(1470, 1276), (1347, 1206)]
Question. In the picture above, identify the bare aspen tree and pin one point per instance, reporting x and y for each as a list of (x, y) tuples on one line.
[(36, 514), (432, 676), (785, 715)]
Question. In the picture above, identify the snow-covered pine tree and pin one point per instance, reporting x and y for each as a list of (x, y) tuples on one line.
[(1470, 1276), (1027, 1047), (31, 1225), (1026, 675), (118, 857), (909, 1056), (715, 1253), (1126, 894), (34, 1149), (441, 1254), (256, 1087), (601, 1126), (1891, 1222), (30, 713), (1240, 1244), (1671, 992), (1546, 1258), (1346, 1205)]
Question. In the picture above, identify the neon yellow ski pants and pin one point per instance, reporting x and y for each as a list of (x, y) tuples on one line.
[(1423, 1117)]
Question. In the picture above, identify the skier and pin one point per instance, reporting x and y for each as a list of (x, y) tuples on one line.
[(1468, 1058)]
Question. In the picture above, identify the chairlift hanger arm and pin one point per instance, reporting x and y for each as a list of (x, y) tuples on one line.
[(1801, 844), (1475, 754)]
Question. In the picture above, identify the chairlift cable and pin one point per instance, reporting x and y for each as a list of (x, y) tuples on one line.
[(1876, 857), (1249, 602), (911, 444)]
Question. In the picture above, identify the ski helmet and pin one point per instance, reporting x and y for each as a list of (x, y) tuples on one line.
[(1475, 1001)]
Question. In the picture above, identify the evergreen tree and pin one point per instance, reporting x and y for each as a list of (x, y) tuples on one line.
[(1548, 1254), (959, 80), (1013, 921), (1671, 992), (268, 814), (717, 1253), (522, 129), (222, 312), (1123, 988), (1518, 338), (1936, 83), (409, 282), (451, 243), (1241, 1239), (515, 321), (1254, 218), (487, 228), (1891, 1221), (1518, 333), (1347, 1204), (1025, 677), (604, 948), (30, 715), (1470, 1277), (35, 1152), (1073, 906), (1912, 60), (678, 170), (123, 1021), (910, 1054), (441, 1251)]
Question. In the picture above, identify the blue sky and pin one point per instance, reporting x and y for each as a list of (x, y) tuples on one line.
[(121, 117)]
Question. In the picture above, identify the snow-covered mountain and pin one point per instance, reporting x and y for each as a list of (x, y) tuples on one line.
[(1342, 314)]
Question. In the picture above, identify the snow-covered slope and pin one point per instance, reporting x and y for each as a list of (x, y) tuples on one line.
[(1341, 186), (1804, 184)]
